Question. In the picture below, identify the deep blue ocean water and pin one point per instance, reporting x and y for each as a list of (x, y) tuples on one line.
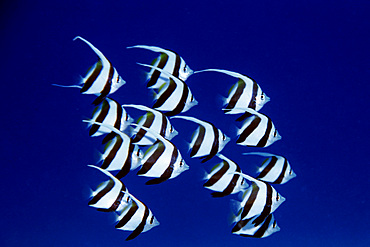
[(310, 57)]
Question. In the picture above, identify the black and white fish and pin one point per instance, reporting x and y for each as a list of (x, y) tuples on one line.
[(274, 169), (223, 180), (162, 160), (168, 61), (207, 140), (246, 228), (111, 195), (155, 121), (260, 199), (245, 94), (257, 130), (136, 217), (110, 112), (120, 153), (102, 79), (174, 96)]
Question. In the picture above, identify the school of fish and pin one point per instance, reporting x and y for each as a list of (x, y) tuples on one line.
[(145, 144)]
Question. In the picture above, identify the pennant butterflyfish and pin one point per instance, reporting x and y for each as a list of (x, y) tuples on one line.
[(136, 217), (156, 121), (174, 96), (120, 153), (168, 61), (162, 160), (111, 195), (207, 140), (222, 179), (246, 228), (102, 79), (246, 93), (259, 199), (257, 131), (274, 169), (110, 113)]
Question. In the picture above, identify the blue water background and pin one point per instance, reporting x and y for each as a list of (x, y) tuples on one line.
[(310, 57)]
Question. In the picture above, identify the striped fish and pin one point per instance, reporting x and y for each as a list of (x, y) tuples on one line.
[(161, 160), (136, 217), (246, 228), (168, 61), (257, 131), (120, 153), (223, 180), (111, 195), (207, 140), (274, 169), (110, 113), (174, 96), (102, 79), (260, 200), (156, 121), (245, 94)]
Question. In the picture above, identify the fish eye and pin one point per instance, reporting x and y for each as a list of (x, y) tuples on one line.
[(171, 129), (192, 98), (152, 219), (223, 137), (126, 117), (290, 172), (242, 182), (138, 152), (274, 225), (262, 96), (181, 163), (185, 68), (275, 132), (277, 197)]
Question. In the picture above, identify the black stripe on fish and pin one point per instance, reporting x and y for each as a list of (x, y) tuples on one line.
[(117, 124), (251, 200), (263, 228), (163, 126), (181, 103), (282, 173), (267, 208), (250, 128), (236, 97), (152, 159), (91, 79), (176, 68), (165, 95), (198, 141), (127, 165), (134, 207), (217, 176), (102, 193), (100, 118), (156, 73), (252, 103), (113, 152), (215, 145), (230, 187), (268, 168), (264, 139), (107, 87), (168, 172), (141, 133), (140, 227)]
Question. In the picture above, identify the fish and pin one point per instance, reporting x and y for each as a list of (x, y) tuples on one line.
[(245, 94), (120, 154), (170, 62), (109, 112), (111, 195), (207, 140), (162, 160), (257, 131), (246, 228), (274, 169), (102, 79), (260, 199), (173, 97), (155, 121), (136, 217), (222, 180)]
